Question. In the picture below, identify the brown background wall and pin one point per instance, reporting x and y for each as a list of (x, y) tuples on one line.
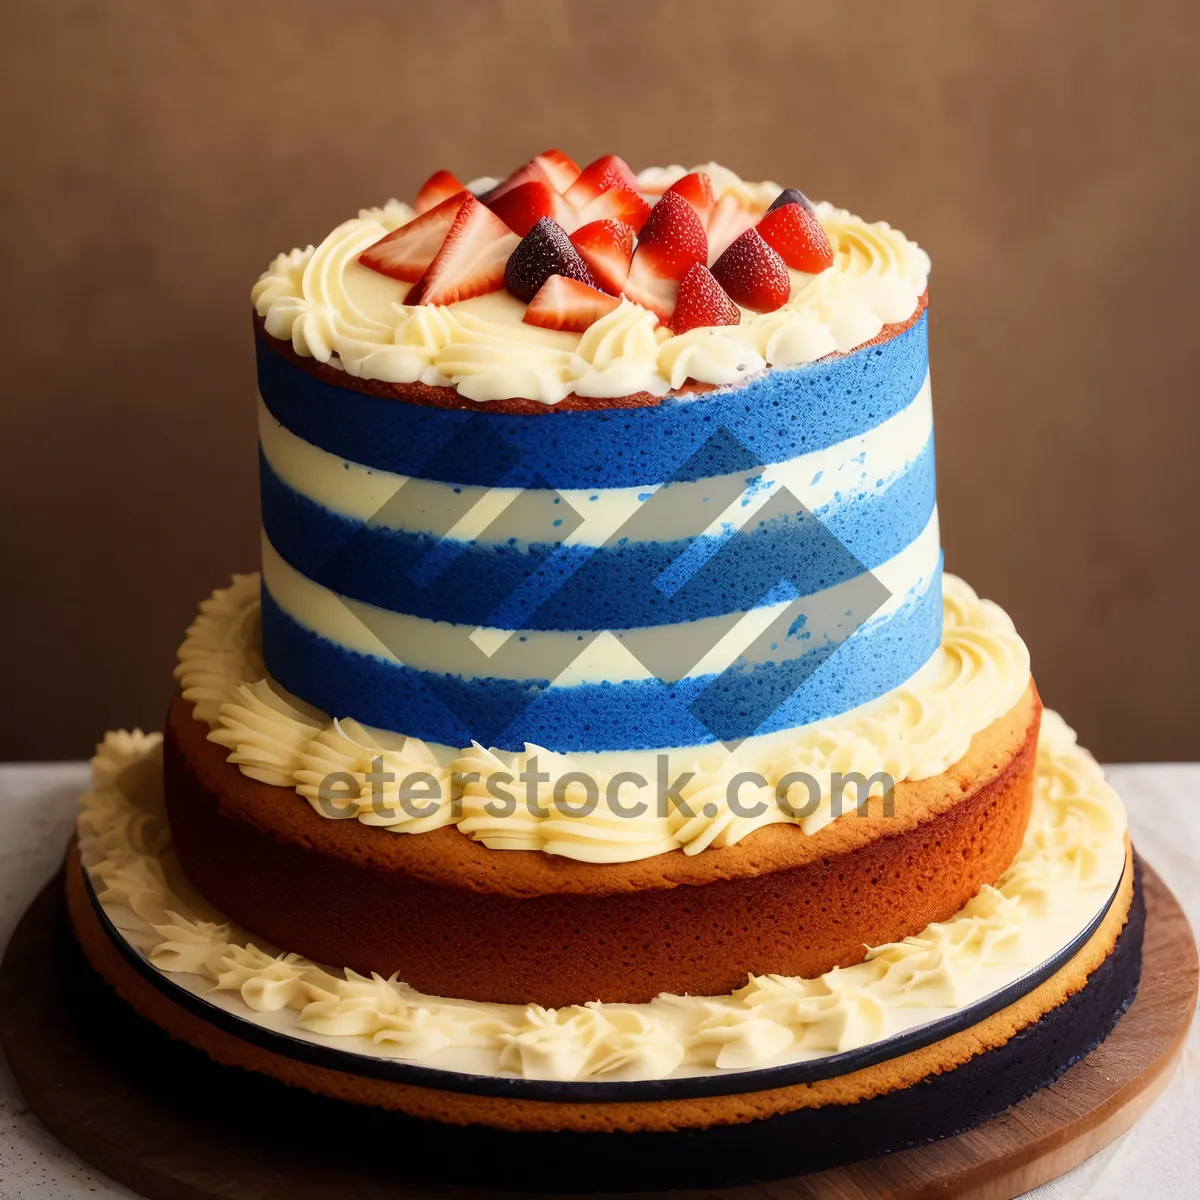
[(157, 155)]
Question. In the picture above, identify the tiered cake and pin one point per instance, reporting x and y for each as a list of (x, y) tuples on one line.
[(603, 722)]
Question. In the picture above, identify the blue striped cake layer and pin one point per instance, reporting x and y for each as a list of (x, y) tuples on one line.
[(777, 417), (710, 569), (552, 585), (609, 558), (792, 661)]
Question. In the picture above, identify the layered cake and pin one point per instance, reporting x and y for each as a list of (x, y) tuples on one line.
[(602, 775)]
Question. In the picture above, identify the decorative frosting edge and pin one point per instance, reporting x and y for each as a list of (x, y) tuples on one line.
[(916, 731), (1072, 857), (336, 311)]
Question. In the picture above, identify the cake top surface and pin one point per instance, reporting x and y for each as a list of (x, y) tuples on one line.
[(597, 283)]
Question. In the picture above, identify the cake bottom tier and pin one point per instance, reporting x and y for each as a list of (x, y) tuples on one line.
[(454, 918), (542, 1146)]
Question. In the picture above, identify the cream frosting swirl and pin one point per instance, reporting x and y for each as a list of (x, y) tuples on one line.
[(1073, 851), (336, 311), (913, 732)]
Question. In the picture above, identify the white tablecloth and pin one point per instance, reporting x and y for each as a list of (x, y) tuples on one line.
[(1159, 1157)]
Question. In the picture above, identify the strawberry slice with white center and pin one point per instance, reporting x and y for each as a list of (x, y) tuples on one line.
[(671, 241), (406, 252), (471, 260), (523, 207), (552, 167), (560, 170), (796, 235), (752, 274), (441, 185), (618, 203), (563, 303), (652, 283), (702, 301), (697, 190), (727, 222), (606, 247), (598, 177)]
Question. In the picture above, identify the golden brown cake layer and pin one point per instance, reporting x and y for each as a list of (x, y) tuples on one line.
[(456, 919)]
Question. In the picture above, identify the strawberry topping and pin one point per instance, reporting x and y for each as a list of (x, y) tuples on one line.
[(519, 236), (598, 177), (677, 235), (728, 220), (562, 303), (619, 203), (406, 252), (753, 274), (606, 247), (544, 251), (525, 205), (441, 185), (671, 241), (552, 168), (697, 190), (652, 282), (702, 301), (471, 260), (795, 233), (560, 170)]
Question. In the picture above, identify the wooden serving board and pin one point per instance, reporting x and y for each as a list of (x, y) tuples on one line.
[(188, 1153)]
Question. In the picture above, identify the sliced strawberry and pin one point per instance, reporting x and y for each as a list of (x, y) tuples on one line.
[(794, 232), (532, 171), (560, 170), (702, 301), (471, 260), (441, 185), (562, 303), (598, 177), (619, 203), (544, 251), (406, 252), (752, 274), (675, 231), (652, 282), (552, 168), (523, 207), (727, 222), (697, 190), (606, 247)]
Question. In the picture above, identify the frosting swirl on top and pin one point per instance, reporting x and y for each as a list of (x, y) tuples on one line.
[(333, 309)]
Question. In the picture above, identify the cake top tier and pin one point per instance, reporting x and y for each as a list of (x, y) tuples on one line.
[(595, 283)]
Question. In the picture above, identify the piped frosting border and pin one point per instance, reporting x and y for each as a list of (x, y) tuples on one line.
[(336, 311), (1071, 859), (916, 731)]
